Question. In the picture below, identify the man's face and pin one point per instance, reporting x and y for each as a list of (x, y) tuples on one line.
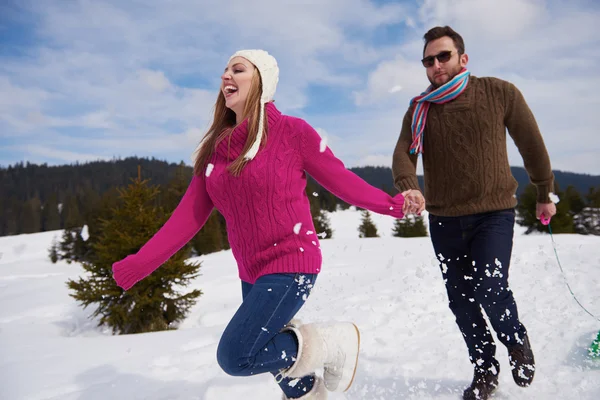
[(442, 61)]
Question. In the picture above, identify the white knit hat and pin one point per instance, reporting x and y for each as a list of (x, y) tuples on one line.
[(269, 73)]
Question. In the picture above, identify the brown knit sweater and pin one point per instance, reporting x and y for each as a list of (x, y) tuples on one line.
[(465, 160)]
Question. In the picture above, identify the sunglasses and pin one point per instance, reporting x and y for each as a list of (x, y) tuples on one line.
[(442, 57)]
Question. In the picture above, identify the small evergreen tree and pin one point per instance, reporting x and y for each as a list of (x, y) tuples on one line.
[(593, 197), (526, 210), (409, 226), (72, 247), (587, 222), (328, 201), (53, 252), (574, 199), (343, 205), (319, 216), (367, 228), (562, 222), (153, 304), (322, 225)]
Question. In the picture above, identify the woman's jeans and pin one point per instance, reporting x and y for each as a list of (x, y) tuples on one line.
[(253, 342)]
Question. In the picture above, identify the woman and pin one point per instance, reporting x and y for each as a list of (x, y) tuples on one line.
[(251, 166)]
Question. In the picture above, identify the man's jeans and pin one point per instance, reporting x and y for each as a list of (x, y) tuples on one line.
[(474, 253), (253, 342)]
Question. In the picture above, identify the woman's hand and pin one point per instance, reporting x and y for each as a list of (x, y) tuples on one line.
[(414, 202)]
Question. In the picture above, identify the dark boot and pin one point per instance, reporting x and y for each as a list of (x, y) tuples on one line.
[(485, 382), (522, 363)]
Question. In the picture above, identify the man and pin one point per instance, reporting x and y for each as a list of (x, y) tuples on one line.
[(459, 125)]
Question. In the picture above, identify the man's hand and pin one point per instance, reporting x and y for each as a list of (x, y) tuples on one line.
[(414, 202), (547, 209)]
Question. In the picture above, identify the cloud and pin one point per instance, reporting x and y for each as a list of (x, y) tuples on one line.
[(548, 49), (101, 71), (132, 77), (384, 82), (57, 154)]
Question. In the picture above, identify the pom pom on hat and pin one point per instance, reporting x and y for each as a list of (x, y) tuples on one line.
[(269, 73)]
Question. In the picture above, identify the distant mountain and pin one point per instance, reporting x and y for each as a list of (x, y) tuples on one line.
[(26, 180), (382, 177), (30, 194)]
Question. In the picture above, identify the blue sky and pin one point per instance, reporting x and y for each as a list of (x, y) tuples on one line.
[(88, 80)]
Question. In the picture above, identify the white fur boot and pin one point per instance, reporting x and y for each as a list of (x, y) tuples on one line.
[(318, 392), (332, 346)]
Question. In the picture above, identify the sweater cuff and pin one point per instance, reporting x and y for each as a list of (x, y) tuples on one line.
[(410, 182), (543, 194)]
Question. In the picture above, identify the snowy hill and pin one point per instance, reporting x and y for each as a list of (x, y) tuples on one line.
[(390, 287)]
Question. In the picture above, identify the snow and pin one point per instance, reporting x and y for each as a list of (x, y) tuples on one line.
[(323, 145), (85, 234), (297, 228), (209, 169), (391, 288)]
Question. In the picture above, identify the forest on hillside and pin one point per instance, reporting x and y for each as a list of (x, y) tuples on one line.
[(36, 198)]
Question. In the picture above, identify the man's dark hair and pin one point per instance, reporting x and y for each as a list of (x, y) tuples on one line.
[(440, 32)]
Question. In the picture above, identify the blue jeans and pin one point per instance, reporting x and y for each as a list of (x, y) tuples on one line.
[(253, 342), (474, 253)]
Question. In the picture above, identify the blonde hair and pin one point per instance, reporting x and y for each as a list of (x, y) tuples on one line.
[(224, 123)]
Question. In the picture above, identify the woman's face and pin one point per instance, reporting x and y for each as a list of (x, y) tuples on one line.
[(236, 82)]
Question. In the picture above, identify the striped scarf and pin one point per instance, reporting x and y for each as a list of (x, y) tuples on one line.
[(443, 94)]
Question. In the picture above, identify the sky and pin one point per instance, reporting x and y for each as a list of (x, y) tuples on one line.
[(89, 80)]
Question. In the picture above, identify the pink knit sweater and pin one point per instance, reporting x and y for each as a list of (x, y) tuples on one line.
[(269, 224)]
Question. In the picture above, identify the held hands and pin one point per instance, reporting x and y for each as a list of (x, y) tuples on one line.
[(414, 202), (397, 208), (545, 211)]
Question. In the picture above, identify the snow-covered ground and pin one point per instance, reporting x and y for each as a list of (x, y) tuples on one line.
[(391, 287)]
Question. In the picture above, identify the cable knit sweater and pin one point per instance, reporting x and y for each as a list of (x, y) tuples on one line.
[(465, 160), (269, 224)]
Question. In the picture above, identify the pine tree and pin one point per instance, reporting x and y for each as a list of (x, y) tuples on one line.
[(343, 205), (53, 252), (50, 214), (319, 216), (322, 225), (31, 216), (155, 303), (72, 217), (223, 225), (66, 247), (367, 228), (526, 211), (587, 222), (328, 201), (409, 226), (562, 222), (593, 197), (12, 211), (72, 247), (176, 187), (576, 202), (210, 237)]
